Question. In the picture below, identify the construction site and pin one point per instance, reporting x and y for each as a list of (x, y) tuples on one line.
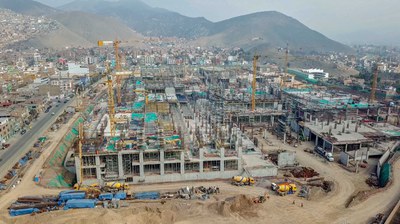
[(189, 144)]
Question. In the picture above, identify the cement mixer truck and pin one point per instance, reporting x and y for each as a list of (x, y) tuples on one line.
[(284, 188), (115, 186), (240, 180)]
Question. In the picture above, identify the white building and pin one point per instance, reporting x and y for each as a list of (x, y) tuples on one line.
[(315, 73)]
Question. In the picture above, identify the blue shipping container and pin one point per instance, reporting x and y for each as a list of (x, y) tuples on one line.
[(24, 211), (75, 195), (105, 196), (80, 203), (147, 195), (120, 195)]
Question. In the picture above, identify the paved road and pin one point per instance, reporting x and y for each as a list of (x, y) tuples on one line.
[(22, 144)]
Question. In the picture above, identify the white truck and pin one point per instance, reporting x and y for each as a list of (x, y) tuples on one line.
[(325, 154)]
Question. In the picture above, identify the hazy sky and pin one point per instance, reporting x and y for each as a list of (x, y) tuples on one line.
[(349, 21)]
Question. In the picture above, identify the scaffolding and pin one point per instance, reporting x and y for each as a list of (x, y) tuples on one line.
[(111, 165)]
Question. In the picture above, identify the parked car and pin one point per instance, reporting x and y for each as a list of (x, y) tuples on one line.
[(23, 131), (6, 145)]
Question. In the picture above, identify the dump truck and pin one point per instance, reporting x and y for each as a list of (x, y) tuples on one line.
[(115, 186), (284, 188), (240, 180), (325, 154)]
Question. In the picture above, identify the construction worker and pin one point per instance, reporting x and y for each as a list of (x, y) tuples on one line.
[(294, 202), (301, 205)]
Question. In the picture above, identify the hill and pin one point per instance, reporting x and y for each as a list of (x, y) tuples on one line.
[(93, 27), (254, 31), (268, 30), (145, 19), (27, 7)]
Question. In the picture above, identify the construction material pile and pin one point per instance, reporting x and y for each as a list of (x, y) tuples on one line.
[(69, 199), (304, 172), (190, 193)]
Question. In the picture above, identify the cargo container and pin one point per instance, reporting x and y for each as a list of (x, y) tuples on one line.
[(72, 195), (147, 195), (80, 203), (24, 211), (120, 195), (105, 196)]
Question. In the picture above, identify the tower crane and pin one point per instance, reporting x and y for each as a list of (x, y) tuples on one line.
[(115, 44), (80, 140), (254, 82), (111, 105)]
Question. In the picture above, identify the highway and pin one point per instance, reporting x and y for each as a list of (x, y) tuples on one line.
[(21, 144)]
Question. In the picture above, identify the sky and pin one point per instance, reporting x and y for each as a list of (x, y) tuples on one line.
[(348, 21)]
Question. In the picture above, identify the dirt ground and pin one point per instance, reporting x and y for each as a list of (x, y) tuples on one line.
[(233, 205)]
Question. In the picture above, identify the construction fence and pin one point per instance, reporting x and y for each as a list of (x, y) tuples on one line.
[(55, 173)]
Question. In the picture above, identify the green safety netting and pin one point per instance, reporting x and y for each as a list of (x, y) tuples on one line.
[(171, 138), (58, 181), (392, 133), (90, 109), (111, 147), (74, 131), (385, 174), (138, 105), (150, 117)]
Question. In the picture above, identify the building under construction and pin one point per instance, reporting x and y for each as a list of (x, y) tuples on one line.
[(162, 129)]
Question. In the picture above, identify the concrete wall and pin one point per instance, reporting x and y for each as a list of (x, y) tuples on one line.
[(286, 158), (344, 158)]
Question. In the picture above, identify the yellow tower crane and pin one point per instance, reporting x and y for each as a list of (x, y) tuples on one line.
[(115, 44), (253, 85), (111, 105), (80, 140)]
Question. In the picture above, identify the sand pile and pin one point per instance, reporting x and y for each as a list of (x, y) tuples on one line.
[(241, 205)]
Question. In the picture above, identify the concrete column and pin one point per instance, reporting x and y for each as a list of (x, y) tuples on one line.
[(323, 144), (120, 167), (162, 159), (78, 167), (141, 166), (222, 164), (316, 140), (345, 147), (368, 112), (331, 148), (272, 120), (182, 163), (98, 169), (201, 160)]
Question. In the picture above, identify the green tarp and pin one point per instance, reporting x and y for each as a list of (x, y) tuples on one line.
[(150, 117)]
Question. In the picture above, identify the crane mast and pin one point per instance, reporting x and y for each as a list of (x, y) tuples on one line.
[(253, 85)]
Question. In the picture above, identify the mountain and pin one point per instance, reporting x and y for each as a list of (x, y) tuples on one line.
[(79, 29), (268, 30), (27, 7), (92, 27), (254, 31), (145, 19)]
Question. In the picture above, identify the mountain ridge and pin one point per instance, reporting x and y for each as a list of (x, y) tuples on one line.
[(257, 30)]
